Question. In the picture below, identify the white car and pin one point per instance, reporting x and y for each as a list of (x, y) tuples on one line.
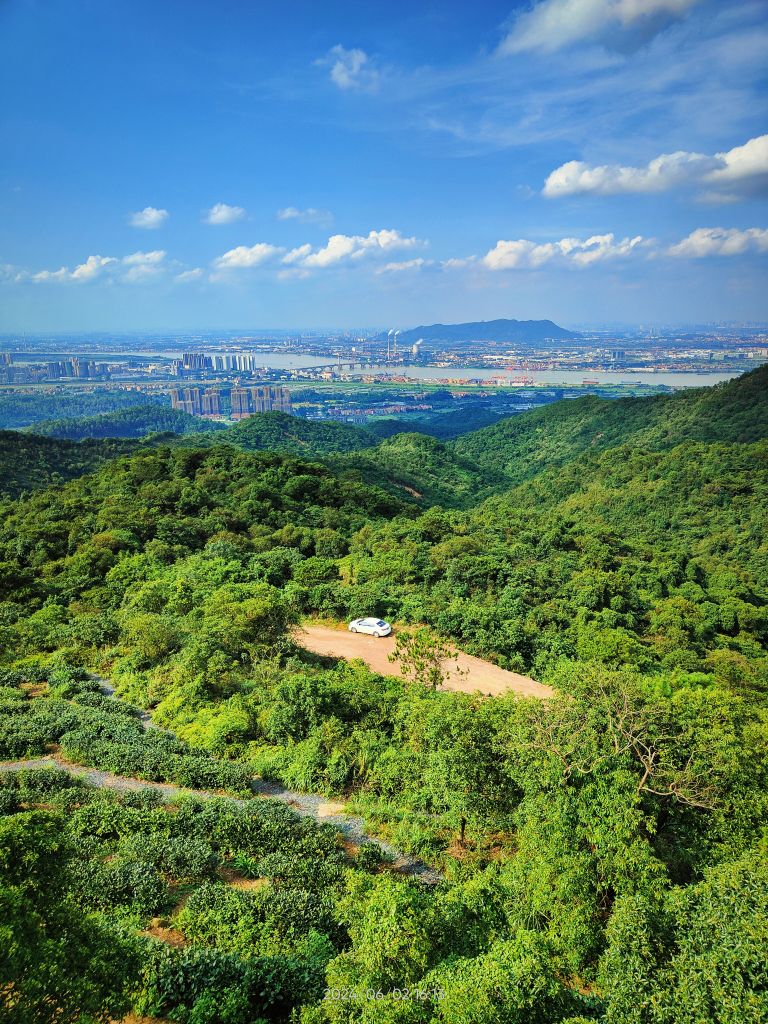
[(376, 627)]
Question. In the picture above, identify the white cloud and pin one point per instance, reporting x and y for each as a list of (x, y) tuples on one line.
[(86, 271), (397, 267), (298, 254), (137, 259), (742, 163), (92, 267), (721, 242), (458, 262), (742, 168), (189, 275), (143, 265), (62, 274), (149, 218), (308, 216), (138, 266), (350, 69), (244, 256), (551, 25), (523, 254), (222, 213), (342, 248)]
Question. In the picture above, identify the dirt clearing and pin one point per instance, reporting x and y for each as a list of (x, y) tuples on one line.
[(374, 651)]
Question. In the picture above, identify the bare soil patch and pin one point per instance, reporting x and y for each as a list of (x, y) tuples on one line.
[(478, 675)]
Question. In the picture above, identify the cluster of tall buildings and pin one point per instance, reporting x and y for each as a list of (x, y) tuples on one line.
[(197, 402), (82, 369), (199, 362), (245, 401), (249, 401)]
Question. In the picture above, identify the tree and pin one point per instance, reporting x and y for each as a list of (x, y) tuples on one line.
[(423, 657)]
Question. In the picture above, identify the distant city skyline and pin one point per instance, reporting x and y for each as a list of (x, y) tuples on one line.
[(180, 166)]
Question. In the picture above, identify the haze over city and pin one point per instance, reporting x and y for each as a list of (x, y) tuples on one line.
[(342, 165)]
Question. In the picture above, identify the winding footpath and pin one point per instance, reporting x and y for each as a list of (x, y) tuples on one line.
[(307, 805)]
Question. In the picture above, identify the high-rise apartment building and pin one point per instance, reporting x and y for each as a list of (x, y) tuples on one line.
[(212, 403), (241, 406), (188, 400), (196, 361)]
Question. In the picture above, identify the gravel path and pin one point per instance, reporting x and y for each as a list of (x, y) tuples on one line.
[(307, 805), (320, 808)]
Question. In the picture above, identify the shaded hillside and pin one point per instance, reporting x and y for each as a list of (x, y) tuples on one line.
[(279, 432), (422, 467), (518, 448), (18, 410), (137, 421), (28, 462)]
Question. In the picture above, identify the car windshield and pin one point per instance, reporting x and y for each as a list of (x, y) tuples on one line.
[(380, 623)]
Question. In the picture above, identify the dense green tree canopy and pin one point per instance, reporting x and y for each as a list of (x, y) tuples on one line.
[(603, 851)]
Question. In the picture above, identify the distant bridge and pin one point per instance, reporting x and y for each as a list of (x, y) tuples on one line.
[(358, 364)]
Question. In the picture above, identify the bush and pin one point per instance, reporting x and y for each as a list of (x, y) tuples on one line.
[(135, 885), (178, 858), (219, 988)]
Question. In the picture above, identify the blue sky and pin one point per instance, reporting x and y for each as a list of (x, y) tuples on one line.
[(189, 164)]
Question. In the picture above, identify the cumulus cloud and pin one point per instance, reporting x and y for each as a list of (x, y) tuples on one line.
[(523, 254), (721, 242), (149, 218), (458, 262), (308, 216), (86, 271), (143, 265), (245, 256), (189, 275), (223, 213), (741, 170), (350, 69), (346, 248), (138, 266), (551, 25), (397, 267)]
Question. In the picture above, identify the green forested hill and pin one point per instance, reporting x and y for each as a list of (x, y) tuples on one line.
[(423, 467), (137, 421), (518, 448), (28, 462), (279, 432), (603, 850)]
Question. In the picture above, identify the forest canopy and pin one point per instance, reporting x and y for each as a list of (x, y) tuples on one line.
[(602, 854)]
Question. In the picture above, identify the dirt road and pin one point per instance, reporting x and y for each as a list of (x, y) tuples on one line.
[(480, 675)]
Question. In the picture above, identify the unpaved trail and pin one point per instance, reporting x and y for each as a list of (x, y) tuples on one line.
[(307, 805), (478, 675), (321, 809)]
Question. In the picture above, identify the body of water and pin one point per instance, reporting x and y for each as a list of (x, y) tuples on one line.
[(568, 378)]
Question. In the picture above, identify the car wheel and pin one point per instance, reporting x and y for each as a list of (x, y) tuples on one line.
[(377, 634), (353, 629)]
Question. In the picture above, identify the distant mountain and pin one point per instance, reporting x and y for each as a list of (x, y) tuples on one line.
[(486, 330)]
